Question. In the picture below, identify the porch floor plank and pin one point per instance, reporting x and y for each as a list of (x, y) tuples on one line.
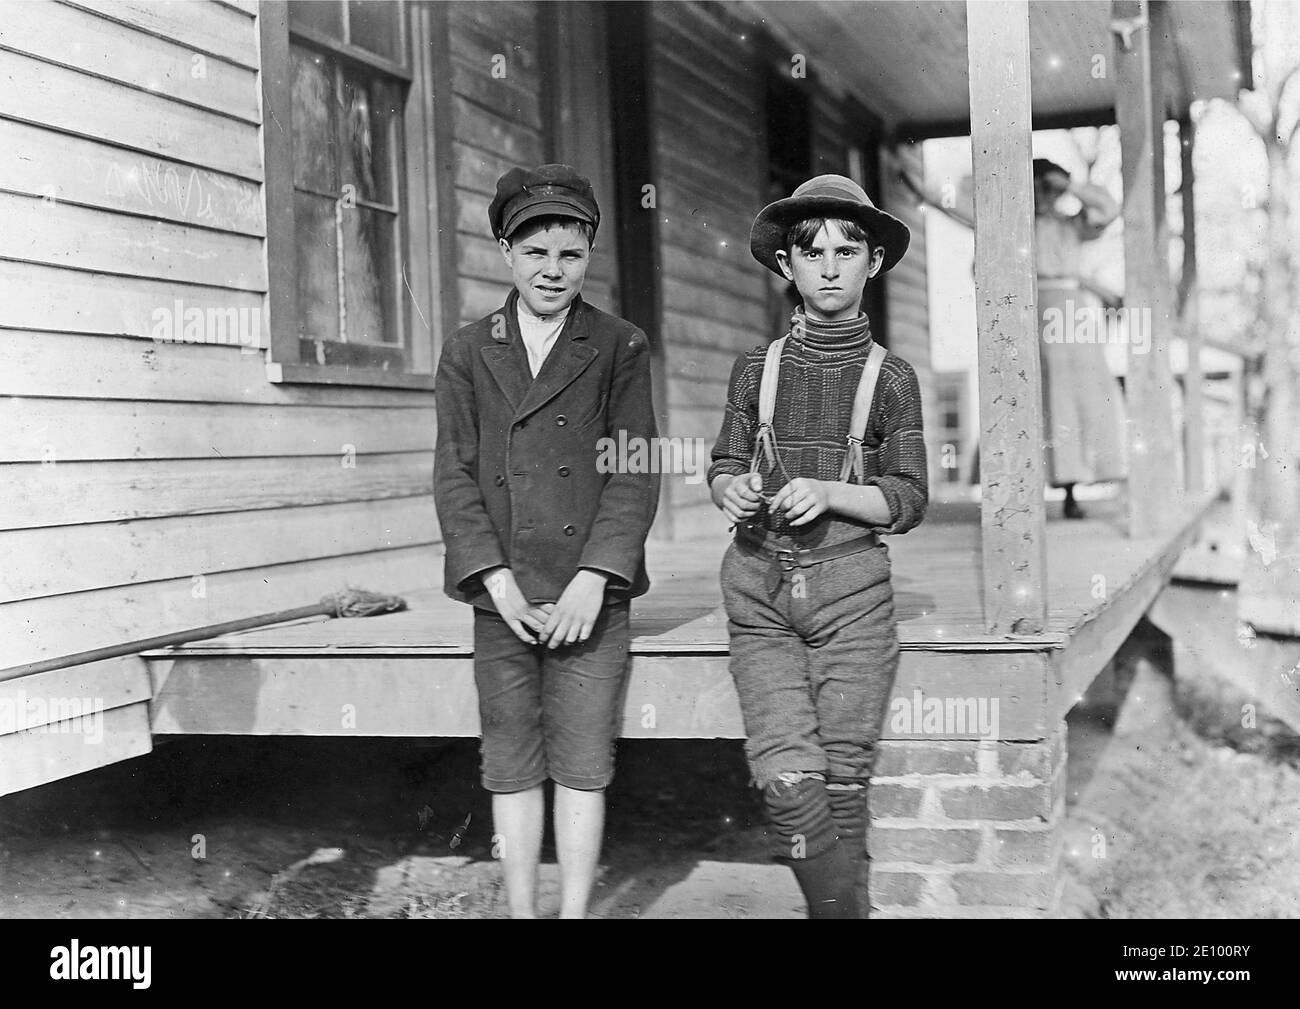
[(411, 673), (936, 584)]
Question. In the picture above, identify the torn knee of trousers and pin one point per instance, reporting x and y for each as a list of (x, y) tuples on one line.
[(788, 781), (838, 784), (800, 816)]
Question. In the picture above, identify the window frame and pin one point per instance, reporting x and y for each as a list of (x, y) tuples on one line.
[(425, 183)]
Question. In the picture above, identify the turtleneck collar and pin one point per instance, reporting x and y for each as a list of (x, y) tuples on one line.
[(847, 334)]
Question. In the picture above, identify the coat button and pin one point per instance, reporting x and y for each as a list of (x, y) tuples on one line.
[(569, 530), (561, 420), (563, 471), (501, 481)]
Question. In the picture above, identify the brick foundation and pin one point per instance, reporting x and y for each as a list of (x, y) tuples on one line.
[(967, 829)]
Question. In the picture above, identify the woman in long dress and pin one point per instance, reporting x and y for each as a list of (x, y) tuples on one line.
[(1083, 405)]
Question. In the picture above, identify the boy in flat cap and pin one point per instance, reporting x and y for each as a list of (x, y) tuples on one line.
[(546, 548), (821, 450)]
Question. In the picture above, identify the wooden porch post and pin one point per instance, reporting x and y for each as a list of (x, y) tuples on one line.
[(1189, 311), (1012, 513), (1154, 482)]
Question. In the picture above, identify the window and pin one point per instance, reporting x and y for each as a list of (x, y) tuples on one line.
[(351, 192)]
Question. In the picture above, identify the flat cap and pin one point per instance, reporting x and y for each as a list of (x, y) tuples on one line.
[(545, 191)]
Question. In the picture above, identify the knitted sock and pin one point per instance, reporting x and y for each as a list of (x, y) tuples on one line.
[(829, 883), (799, 810), (848, 805), (851, 813)]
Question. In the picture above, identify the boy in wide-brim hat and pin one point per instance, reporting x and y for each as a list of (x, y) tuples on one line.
[(811, 482), (547, 545)]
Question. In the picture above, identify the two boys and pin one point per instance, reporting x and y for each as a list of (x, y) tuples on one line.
[(541, 544)]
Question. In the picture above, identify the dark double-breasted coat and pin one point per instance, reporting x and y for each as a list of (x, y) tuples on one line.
[(517, 476)]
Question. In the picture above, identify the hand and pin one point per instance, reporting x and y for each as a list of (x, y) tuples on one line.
[(522, 617), (741, 498), (802, 499), (574, 615)]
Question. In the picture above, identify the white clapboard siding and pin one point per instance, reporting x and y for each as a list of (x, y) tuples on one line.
[(64, 430), (908, 302), (211, 28), (695, 330), (496, 125), (39, 756), (44, 363), (714, 292), (248, 7), (61, 168), (698, 363), (133, 461), (48, 562), (54, 234), (60, 625), (59, 694), (58, 33), (79, 302), (67, 721), (70, 493), (479, 298), (478, 256), (73, 102)]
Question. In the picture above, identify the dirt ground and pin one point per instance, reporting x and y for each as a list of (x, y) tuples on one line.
[(344, 828), (1163, 822), (1186, 814)]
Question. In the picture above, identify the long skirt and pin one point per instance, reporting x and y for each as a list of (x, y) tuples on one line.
[(1083, 407)]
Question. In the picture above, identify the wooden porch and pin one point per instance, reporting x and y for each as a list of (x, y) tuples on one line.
[(410, 674)]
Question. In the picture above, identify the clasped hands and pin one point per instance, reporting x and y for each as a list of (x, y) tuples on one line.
[(568, 620)]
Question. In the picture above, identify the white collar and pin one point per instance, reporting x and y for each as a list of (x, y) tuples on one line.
[(526, 316)]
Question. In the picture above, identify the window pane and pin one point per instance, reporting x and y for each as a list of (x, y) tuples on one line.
[(313, 132), (323, 16), (369, 276), (318, 271), (373, 25), (372, 109)]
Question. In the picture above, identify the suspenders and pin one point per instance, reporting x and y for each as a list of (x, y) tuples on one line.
[(765, 441)]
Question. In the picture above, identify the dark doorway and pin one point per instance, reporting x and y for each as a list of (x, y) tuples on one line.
[(788, 124)]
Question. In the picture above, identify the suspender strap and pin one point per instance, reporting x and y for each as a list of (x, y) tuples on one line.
[(764, 442), (767, 389), (853, 469)]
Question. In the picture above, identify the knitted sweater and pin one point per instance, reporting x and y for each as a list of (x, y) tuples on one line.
[(821, 365)]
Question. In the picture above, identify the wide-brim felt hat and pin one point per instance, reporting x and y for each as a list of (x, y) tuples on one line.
[(826, 196)]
